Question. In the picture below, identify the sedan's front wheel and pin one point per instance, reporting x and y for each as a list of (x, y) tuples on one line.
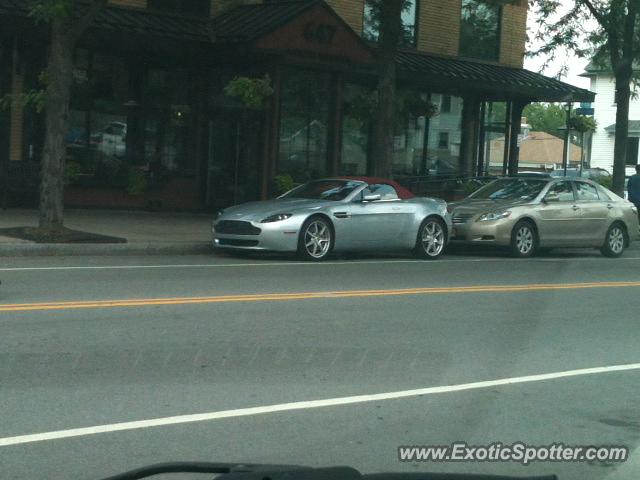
[(524, 240), (432, 238), (614, 242), (316, 239)]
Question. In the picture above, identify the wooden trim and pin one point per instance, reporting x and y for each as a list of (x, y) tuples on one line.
[(272, 134), (336, 127), (16, 119)]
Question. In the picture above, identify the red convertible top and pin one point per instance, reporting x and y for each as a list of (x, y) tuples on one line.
[(403, 193)]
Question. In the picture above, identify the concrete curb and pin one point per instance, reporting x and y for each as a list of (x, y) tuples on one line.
[(104, 249)]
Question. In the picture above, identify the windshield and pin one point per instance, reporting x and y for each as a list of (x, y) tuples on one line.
[(511, 189), (332, 190)]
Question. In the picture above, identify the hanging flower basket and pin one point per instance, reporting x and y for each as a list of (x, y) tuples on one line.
[(252, 92), (582, 124)]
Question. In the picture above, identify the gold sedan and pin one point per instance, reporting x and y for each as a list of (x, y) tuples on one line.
[(529, 213)]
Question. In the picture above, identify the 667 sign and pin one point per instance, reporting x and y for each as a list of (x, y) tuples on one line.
[(319, 33)]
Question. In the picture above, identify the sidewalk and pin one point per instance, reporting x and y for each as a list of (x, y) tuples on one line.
[(146, 233)]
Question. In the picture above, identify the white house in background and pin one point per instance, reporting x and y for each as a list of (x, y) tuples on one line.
[(603, 84)]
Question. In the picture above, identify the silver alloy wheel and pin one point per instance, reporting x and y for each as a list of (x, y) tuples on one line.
[(433, 237), (317, 239), (616, 240), (524, 239)]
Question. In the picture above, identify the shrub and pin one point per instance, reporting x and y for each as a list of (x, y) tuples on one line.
[(283, 183), (136, 181)]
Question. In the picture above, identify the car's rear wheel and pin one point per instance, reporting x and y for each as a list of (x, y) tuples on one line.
[(614, 242), (432, 238), (524, 240), (316, 239)]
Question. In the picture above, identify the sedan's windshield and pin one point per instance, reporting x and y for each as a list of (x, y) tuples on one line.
[(334, 190), (511, 189)]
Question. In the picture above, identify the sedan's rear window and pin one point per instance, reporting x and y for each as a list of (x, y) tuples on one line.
[(586, 191)]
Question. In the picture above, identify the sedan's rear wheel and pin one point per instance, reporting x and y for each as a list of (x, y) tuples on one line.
[(614, 242), (432, 238), (524, 240), (316, 239)]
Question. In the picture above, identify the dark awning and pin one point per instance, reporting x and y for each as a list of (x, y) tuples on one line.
[(488, 80)]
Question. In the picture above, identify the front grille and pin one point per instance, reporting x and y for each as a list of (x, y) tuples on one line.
[(235, 227), (233, 242), (460, 218)]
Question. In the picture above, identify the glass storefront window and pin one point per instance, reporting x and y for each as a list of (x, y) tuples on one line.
[(127, 123), (445, 135), (167, 119), (371, 23), (304, 124), (356, 129), (409, 139), (480, 29), (97, 135), (494, 128)]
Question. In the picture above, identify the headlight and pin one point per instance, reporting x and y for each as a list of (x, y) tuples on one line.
[(489, 217), (277, 218)]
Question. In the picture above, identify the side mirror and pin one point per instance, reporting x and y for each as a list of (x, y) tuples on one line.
[(551, 197), (371, 198)]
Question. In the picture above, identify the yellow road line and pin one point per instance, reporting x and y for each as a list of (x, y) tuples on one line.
[(266, 297)]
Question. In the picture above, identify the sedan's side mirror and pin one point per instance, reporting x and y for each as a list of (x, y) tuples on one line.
[(372, 198), (551, 197)]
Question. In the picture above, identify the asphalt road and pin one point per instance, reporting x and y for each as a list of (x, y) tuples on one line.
[(98, 342)]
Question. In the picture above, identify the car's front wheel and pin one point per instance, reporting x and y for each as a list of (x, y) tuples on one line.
[(614, 242), (432, 238), (524, 240), (316, 239)]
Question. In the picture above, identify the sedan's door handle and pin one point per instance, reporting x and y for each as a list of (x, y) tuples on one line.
[(575, 208), (609, 206), (341, 214)]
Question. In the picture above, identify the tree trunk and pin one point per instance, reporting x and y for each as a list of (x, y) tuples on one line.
[(59, 74), (390, 35), (623, 95)]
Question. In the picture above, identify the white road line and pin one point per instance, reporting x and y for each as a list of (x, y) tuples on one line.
[(307, 264), (304, 405)]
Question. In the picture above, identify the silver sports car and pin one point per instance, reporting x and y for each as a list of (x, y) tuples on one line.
[(338, 214)]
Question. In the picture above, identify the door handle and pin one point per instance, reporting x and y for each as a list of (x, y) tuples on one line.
[(396, 208), (575, 208), (609, 206)]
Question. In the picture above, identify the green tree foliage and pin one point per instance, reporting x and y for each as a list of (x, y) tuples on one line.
[(605, 31), (546, 117)]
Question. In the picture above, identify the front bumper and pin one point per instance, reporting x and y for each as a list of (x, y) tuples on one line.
[(274, 237), (497, 232)]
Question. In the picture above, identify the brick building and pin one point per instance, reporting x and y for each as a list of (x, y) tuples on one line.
[(152, 126)]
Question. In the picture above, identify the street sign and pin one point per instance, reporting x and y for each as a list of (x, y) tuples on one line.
[(585, 111)]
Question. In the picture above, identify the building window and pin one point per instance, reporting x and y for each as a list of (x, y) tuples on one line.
[(443, 140), (185, 7), (632, 152), (480, 30), (446, 104), (304, 124), (371, 23)]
